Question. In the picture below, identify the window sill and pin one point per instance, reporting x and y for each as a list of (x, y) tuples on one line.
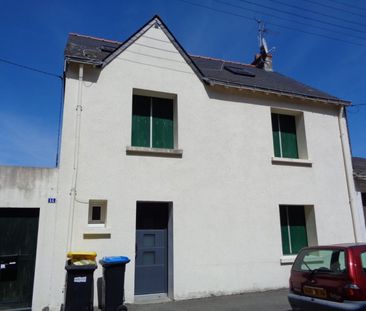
[(287, 259), (92, 228), (292, 162), (154, 152), (96, 226)]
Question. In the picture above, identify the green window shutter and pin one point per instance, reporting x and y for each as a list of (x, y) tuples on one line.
[(276, 135), (141, 121), (284, 231), (288, 136), (163, 124), (298, 232)]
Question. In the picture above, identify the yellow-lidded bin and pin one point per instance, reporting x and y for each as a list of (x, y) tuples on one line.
[(82, 258), (79, 288)]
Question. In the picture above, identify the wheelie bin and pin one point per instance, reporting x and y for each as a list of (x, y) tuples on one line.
[(113, 283), (79, 290)]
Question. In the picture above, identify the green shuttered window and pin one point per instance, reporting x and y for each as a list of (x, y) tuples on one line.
[(293, 229), (152, 122), (284, 136)]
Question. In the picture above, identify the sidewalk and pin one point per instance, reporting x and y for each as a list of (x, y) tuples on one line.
[(275, 300)]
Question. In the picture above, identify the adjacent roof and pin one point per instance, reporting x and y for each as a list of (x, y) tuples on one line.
[(90, 50), (99, 52), (359, 167)]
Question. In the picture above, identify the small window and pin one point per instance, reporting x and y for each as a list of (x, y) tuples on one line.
[(293, 229), (284, 136), (97, 213), (298, 228), (152, 122)]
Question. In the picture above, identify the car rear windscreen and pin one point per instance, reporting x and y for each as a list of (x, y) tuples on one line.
[(321, 260)]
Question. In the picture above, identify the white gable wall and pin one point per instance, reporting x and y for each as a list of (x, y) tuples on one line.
[(225, 190)]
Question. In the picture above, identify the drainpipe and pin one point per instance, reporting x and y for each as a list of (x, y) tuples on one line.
[(73, 192), (349, 174)]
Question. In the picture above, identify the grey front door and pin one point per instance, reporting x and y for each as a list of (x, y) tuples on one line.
[(18, 246), (151, 268)]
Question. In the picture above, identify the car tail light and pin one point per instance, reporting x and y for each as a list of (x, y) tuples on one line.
[(353, 292)]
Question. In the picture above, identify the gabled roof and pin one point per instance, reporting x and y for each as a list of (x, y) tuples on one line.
[(100, 52)]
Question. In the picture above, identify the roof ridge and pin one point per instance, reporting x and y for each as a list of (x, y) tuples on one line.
[(223, 60), (95, 38)]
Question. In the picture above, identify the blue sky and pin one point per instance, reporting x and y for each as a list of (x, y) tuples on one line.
[(34, 33)]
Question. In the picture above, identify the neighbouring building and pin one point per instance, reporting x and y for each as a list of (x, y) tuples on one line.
[(27, 220), (209, 174), (359, 173)]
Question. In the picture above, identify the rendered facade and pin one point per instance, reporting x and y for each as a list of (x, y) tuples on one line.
[(209, 185)]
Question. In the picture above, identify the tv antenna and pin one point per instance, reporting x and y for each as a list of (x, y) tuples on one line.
[(262, 30)]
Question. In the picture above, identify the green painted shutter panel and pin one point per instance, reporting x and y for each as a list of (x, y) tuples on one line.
[(288, 136), (298, 232), (141, 121), (284, 231), (163, 125), (276, 135)]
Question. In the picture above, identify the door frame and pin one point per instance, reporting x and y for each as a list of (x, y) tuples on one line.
[(170, 268)]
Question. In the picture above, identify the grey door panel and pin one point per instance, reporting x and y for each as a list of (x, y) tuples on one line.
[(151, 262)]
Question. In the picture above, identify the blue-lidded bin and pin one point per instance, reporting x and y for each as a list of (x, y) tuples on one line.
[(114, 260), (112, 297)]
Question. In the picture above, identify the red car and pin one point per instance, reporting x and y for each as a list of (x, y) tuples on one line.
[(329, 278)]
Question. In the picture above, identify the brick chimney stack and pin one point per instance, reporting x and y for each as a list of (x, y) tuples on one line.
[(263, 60)]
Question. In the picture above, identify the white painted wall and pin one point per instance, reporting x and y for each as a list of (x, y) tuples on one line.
[(225, 190), (24, 187)]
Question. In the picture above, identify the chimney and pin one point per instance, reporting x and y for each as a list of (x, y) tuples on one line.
[(263, 61), (268, 63)]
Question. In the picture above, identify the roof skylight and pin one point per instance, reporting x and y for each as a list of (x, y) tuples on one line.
[(239, 71)]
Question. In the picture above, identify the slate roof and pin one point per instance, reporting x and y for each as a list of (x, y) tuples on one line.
[(260, 79), (96, 51), (88, 49)]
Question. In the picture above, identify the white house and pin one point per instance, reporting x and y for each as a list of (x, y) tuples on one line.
[(209, 174)]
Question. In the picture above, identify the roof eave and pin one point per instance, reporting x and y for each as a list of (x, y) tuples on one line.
[(213, 82), (84, 61)]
